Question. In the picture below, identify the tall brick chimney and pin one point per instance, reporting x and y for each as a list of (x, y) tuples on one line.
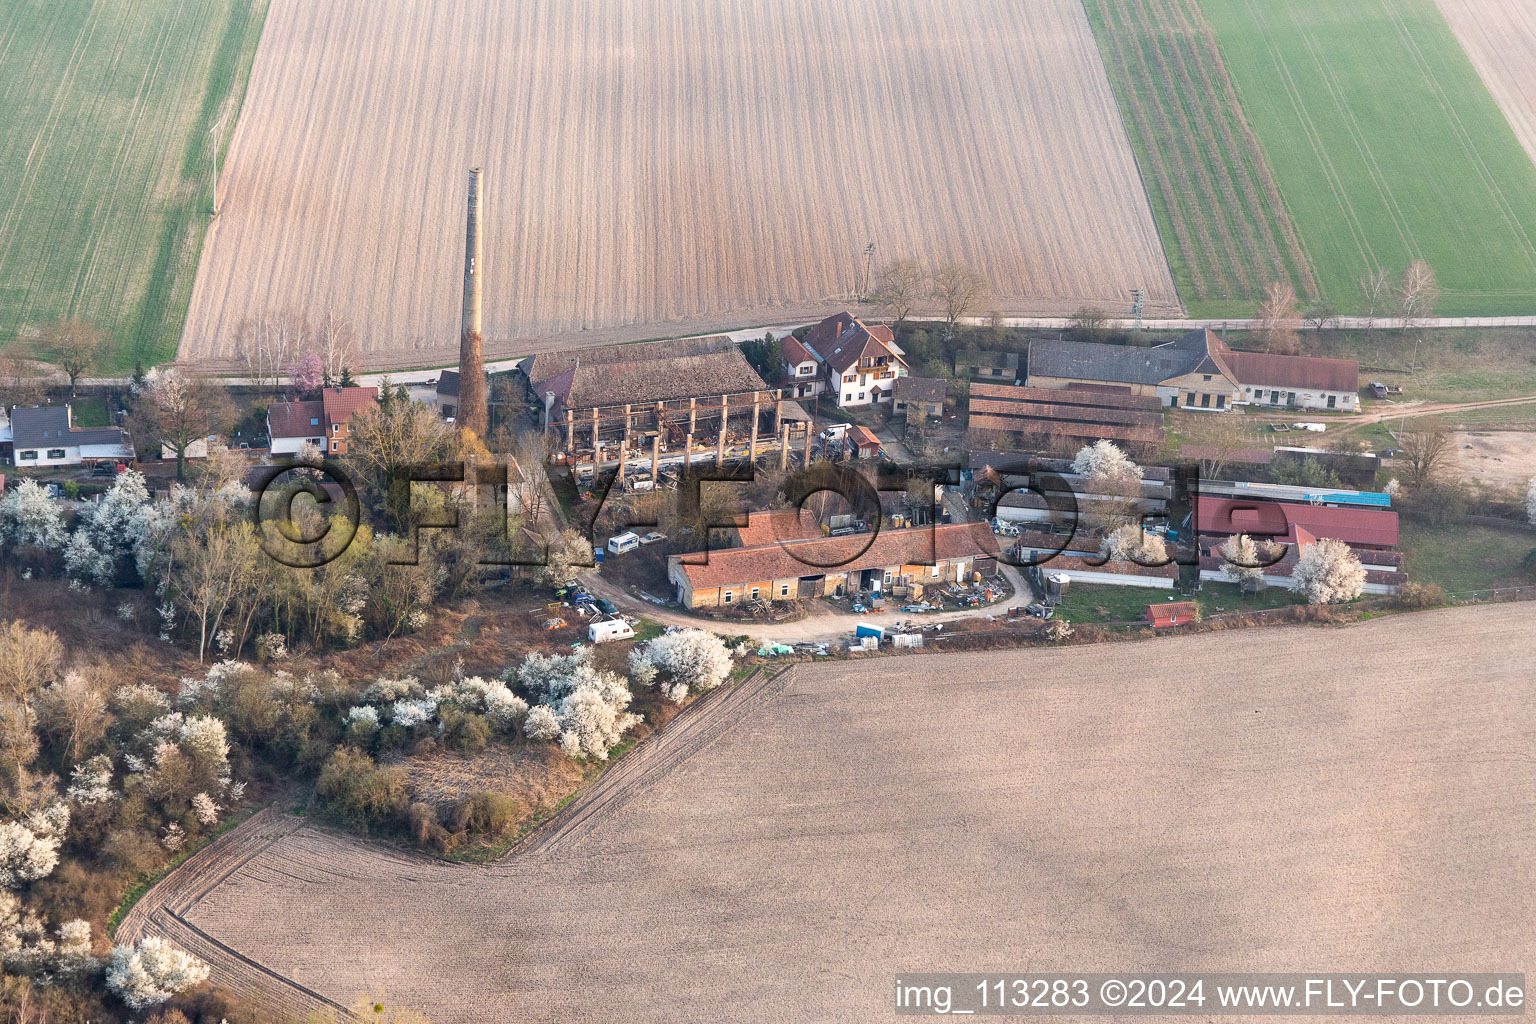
[(472, 413)]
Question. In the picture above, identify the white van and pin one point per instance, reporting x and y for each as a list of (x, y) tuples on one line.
[(609, 629), (622, 542)]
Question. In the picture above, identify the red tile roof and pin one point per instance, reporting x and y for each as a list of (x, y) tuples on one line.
[(795, 353), (863, 437), (1313, 372), (1171, 613), (1365, 527), (292, 419), (341, 403), (888, 548), (843, 340), (781, 524)]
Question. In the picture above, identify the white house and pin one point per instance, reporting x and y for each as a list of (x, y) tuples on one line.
[(1296, 382), (291, 424), (802, 369), (859, 364), (46, 436)]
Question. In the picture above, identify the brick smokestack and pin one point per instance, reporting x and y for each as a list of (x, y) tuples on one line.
[(472, 412)]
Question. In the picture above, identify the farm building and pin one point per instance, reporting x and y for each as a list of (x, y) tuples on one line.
[(46, 436), (1358, 527), (772, 527), (997, 367), (859, 364), (614, 404), (1171, 613), (1197, 371), (1383, 569), (1043, 418), (923, 396), (823, 566), (324, 424), (1077, 559)]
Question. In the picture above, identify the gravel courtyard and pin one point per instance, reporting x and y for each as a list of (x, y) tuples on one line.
[(1326, 799)]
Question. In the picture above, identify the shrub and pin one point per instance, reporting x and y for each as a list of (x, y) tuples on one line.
[(1421, 595), (485, 813), (152, 972), (683, 660), (360, 792), (464, 730)]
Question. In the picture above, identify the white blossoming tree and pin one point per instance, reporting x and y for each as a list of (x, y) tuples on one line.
[(91, 782), (29, 848), (110, 532), (1328, 573), (1241, 559), (682, 661), (1132, 543), (151, 972), (1104, 460), (29, 517), (585, 707)]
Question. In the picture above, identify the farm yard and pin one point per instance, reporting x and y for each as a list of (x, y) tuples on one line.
[(657, 169), (864, 817), (1500, 38), (105, 112), (1217, 205), (1386, 147)]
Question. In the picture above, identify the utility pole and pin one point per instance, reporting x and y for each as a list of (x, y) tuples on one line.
[(869, 260), (1137, 295)]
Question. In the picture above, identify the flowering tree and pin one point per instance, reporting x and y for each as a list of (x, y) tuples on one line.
[(1112, 482), (1103, 460), (1132, 543), (682, 660), (1241, 560), (111, 532), (151, 972), (584, 706), (1328, 573), (29, 516), (29, 848), (307, 375), (1530, 502)]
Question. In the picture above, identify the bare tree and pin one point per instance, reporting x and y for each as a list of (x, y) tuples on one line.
[(1219, 439), (898, 287), (1321, 315), (1278, 318), (1375, 288), (390, 439), (1417, 293), (957, 288), (20, 383), (76, 346), (336, 343), (29, 658), (177, 408), (1426, 448), (267, 344), (1088, 322)]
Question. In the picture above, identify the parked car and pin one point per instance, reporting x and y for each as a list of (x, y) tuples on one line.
[(622, 542), (653, 537), (1378, 389), (606, 606)]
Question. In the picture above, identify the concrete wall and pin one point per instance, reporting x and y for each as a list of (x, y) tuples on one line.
[(71, 457)]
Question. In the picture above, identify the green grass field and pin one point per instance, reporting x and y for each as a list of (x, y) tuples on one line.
[(1217, 206), (1465, 558), (1385, 145), (105, 112)]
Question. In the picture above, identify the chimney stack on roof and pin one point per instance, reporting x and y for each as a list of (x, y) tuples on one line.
[(472, 412)]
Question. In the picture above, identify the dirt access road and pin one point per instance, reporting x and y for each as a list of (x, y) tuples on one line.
[(1129, 805)]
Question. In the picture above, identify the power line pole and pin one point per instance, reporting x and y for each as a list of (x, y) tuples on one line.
[(869, 259)]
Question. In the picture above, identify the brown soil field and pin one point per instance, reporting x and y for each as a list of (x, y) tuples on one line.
[(1497, 458), (660, 168), (1500, 37), (1305, 798)]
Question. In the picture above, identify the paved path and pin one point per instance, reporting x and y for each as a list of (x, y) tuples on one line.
[(418, 376)]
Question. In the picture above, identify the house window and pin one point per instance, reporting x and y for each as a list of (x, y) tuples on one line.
[(335, 446), (55, 453), (335, 428), (1274, 398), (754, 593), (1221, 401), (804, 370), (725, 597), (861, 396), (1205, 401), (1331, 401), (783, 589), (850, 378), (1189, 399), (1207, 377), (314, 421), (29, 456)]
